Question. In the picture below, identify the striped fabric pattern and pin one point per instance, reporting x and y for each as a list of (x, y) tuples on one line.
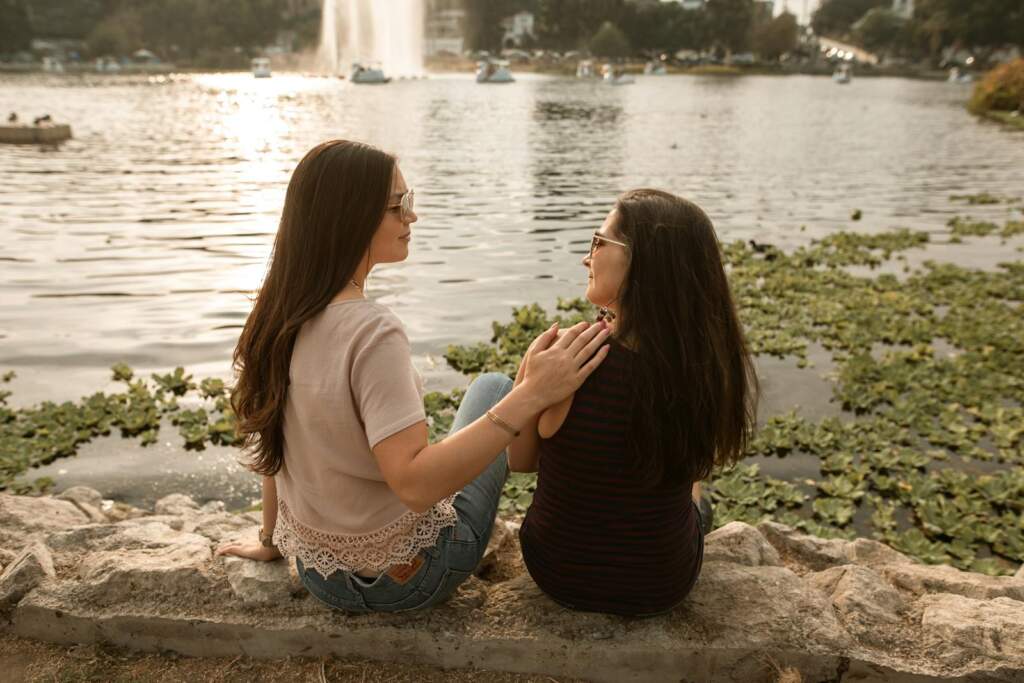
[(595, 538)]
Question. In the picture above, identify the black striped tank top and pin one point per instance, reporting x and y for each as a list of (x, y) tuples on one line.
[(596, 538)]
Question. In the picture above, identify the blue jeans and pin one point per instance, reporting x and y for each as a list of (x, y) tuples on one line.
[(459, 548)]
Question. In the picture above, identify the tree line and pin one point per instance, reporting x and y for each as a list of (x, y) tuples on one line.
[(978, 25), (741, 25), (173, 29), (187, 29), (620, 27)]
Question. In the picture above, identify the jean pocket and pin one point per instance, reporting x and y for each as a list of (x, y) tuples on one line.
[(335, 591)]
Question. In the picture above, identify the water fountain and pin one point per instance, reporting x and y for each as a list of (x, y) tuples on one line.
[(387, 34)]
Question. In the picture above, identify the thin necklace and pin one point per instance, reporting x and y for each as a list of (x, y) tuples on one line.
[(358, 286)]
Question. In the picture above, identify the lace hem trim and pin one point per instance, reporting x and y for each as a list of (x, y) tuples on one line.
[(396, 543)]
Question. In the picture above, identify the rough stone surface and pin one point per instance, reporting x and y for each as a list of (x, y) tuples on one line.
[(259, 583), (919, 579), (866, 604), (218, 526), (817, 554), (176, 504), (23, 574), (1020, 573), (88, 500), (980, 626), (24, 516), (740, 543), (501, 538), (767, 599)]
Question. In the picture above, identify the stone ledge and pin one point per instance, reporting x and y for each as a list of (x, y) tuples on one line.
[(770, 598)]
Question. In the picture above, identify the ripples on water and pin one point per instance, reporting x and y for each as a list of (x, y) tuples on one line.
[(140, 239)]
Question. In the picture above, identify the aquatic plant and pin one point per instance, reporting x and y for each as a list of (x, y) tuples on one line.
[(1002, 89)]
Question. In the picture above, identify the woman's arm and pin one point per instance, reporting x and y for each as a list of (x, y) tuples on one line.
[(523, 451), (255, 550), (422, 474), (269, 500)]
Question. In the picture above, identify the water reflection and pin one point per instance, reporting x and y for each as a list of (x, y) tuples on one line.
[(142, 238)]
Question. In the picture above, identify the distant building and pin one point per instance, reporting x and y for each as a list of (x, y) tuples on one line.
[(445, 28), (904, 8), (518, 29)]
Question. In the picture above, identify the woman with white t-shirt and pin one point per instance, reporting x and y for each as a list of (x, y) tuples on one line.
[(331, 411)]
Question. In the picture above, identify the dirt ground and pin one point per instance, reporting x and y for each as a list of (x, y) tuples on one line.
[(26, 660)]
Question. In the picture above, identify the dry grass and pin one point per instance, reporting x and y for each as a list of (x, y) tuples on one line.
[(25, 660)]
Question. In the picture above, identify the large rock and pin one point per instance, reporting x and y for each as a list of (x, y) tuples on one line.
[(88, 500), (219, 526), (817, 554), (740, 543), (921, 578), (176, 504), (24, 516), (766, 606), (866, 604), (992, 630), (159, 564), (1020, 573), (866, 614), (132, 534), (259, 583), (23, 574)]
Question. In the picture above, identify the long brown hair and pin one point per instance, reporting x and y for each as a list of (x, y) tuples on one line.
[(694, 386), (336, 199)]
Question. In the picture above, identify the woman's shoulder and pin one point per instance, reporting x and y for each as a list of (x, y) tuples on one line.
[(363, 321), (361, 312)]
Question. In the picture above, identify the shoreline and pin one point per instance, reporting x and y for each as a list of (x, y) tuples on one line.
[(768, 599), (468, 67), (1007, 118)]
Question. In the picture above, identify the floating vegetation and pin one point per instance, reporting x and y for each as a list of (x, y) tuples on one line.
[(966, 227), (982, 198), (928, 370), (38, 435), (894, 465)]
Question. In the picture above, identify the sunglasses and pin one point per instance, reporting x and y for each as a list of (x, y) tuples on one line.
[(597, 239), (405, 204)]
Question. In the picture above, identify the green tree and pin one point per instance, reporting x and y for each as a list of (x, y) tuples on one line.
[(67, 18), (982, 24), (776, 37), (15, 29), (610, 41), (570, 24), (835, 18), (118, 34), (730, 23), (881, 30)]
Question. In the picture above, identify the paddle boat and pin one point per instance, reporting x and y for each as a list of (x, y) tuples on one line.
[(260, 67), (843, 74), (41, 132), (585, 69), (370, 74), (611, 77), (653, 68), (493, 72), (958, 76)]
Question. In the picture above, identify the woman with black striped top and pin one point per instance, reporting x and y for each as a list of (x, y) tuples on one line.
[(617, 522)]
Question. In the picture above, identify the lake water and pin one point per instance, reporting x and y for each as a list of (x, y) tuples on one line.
[(142, 239)]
